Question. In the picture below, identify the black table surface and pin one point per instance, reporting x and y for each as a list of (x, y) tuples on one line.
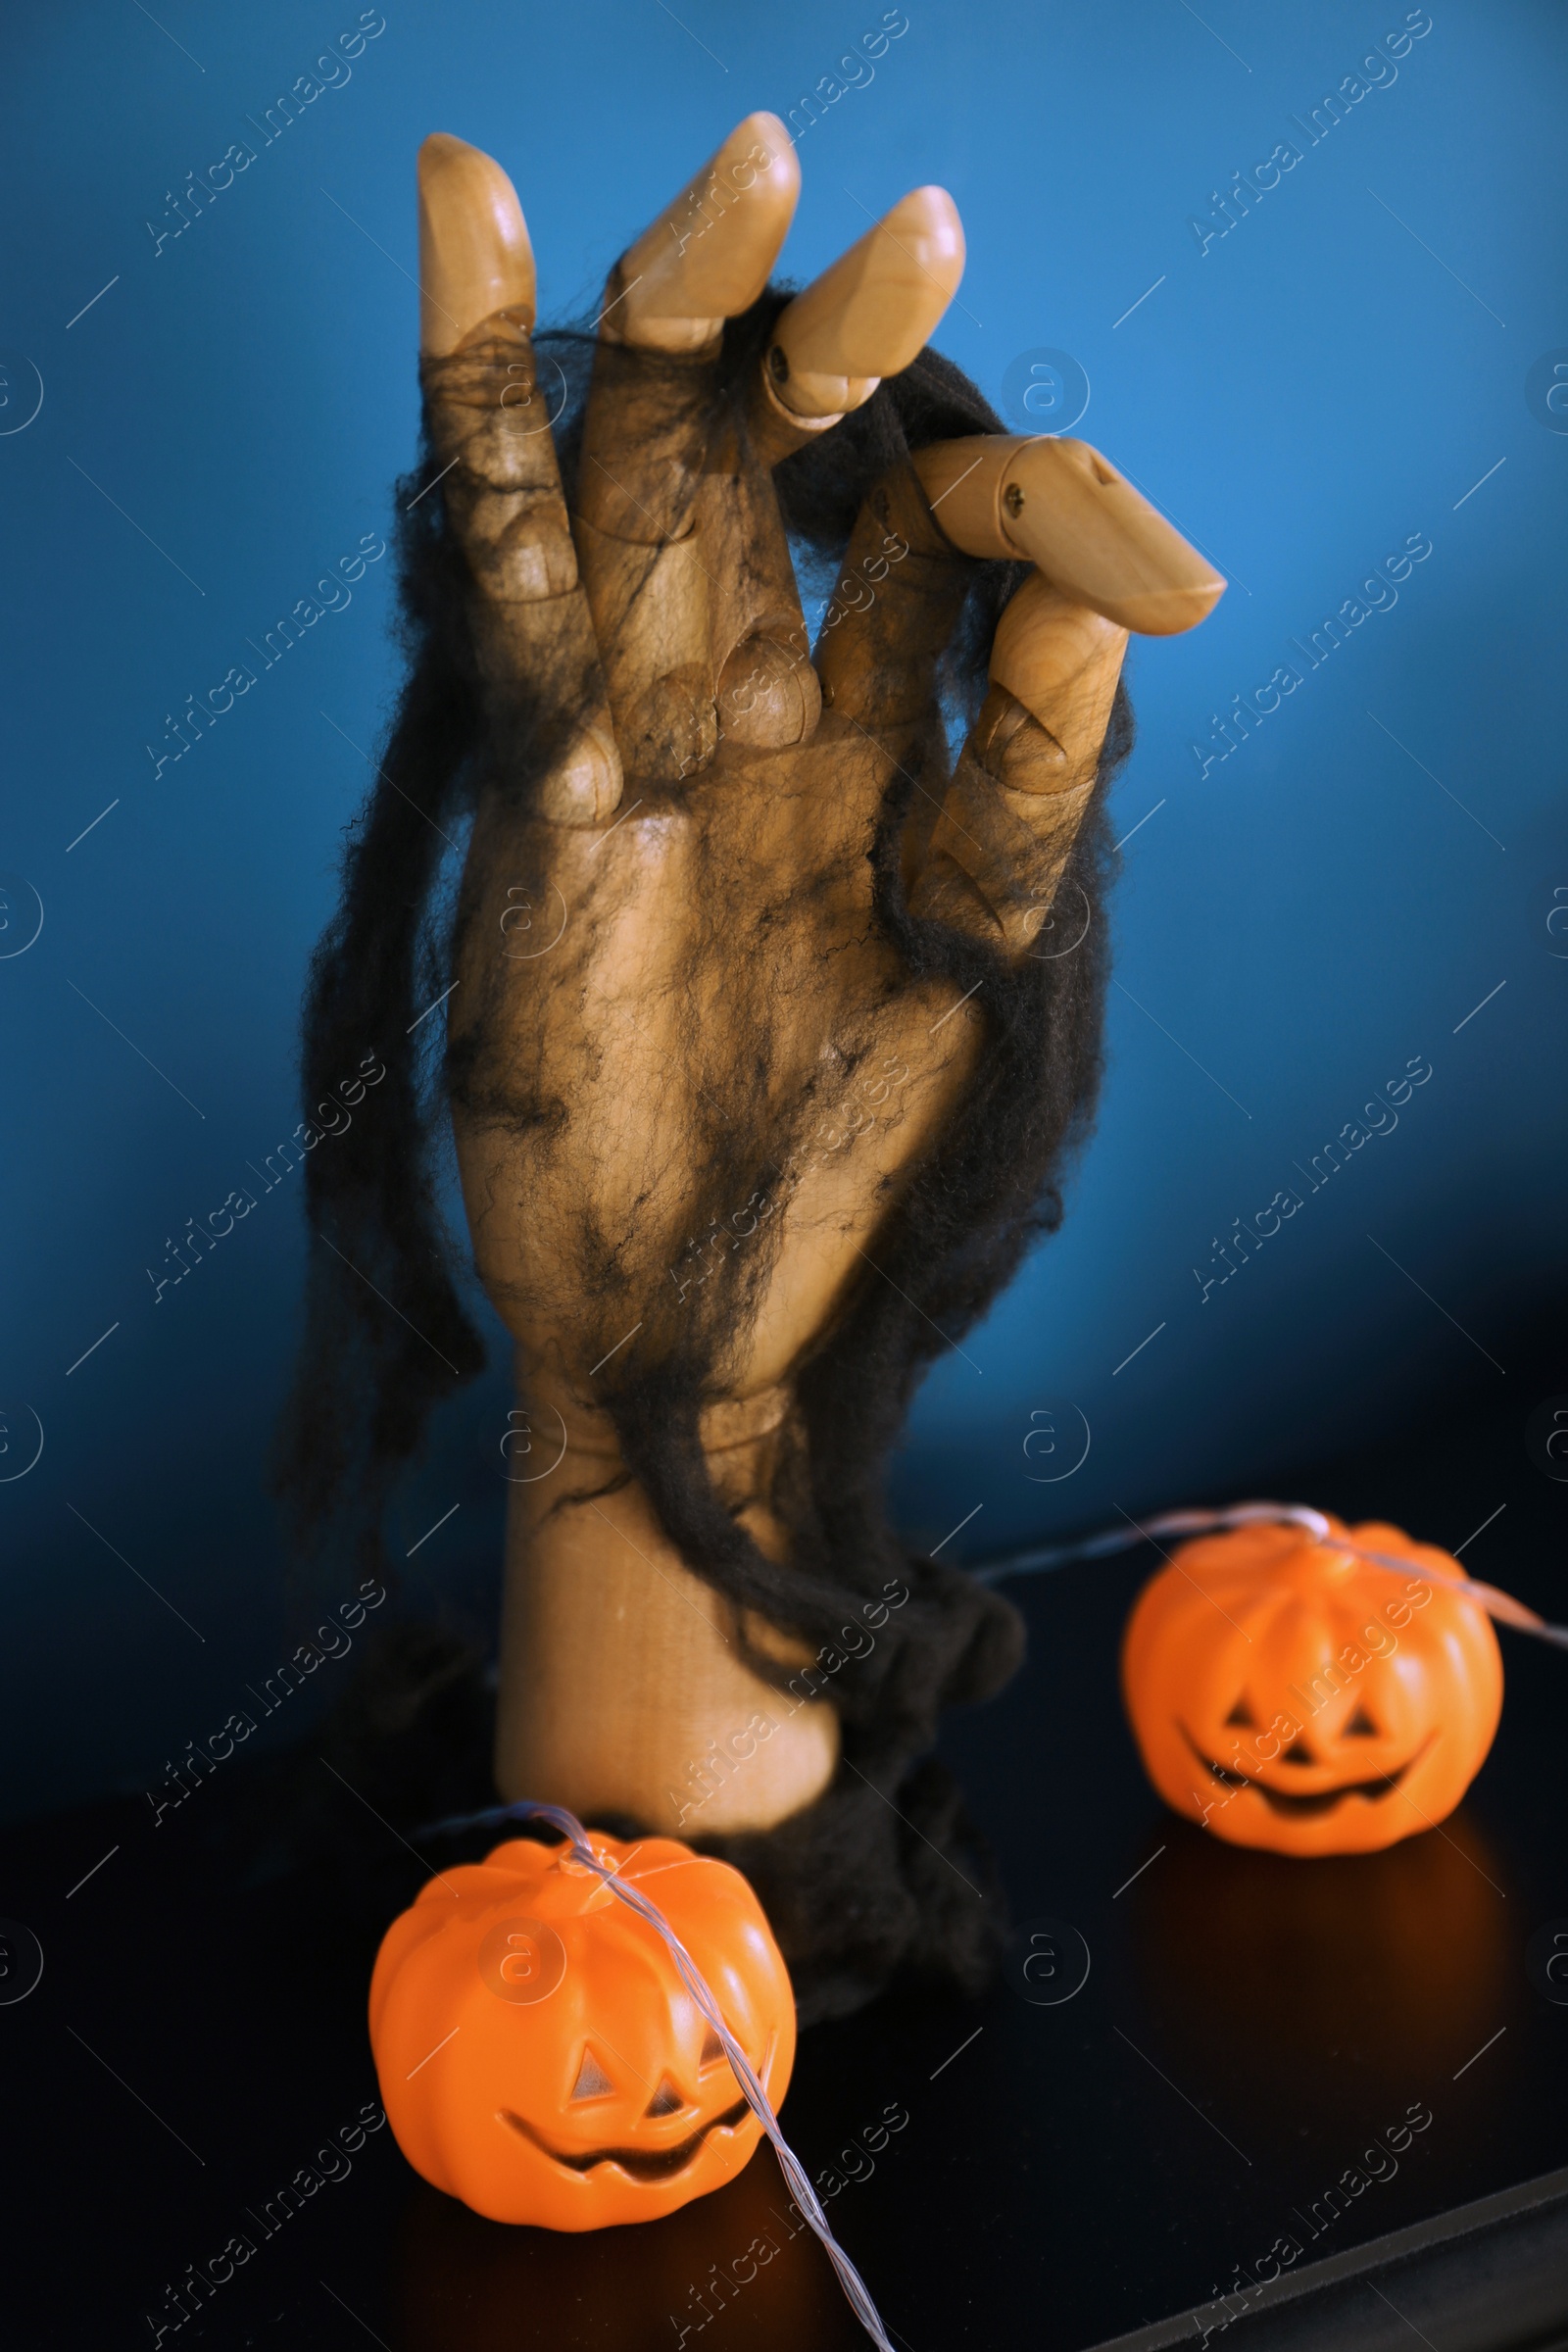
[(1100, 2170)]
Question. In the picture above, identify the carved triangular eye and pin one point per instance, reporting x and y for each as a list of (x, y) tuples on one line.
[(712, 2050), (592, 2080), (1360, 1727), (667, 2099), (1241, 1714)]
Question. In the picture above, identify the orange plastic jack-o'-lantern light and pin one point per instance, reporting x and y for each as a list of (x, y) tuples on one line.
[(1287, 1693), (538, 2054)]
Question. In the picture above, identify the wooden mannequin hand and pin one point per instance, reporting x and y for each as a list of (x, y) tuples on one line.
[(690, 1069)]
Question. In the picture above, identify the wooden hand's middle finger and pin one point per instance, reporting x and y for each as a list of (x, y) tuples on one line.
[(646, 558)]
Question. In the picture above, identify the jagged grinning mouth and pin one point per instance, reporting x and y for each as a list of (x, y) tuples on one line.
[(1302, 1808), (639, 2163)]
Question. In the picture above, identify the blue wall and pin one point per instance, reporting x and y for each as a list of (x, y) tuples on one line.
[(1296, 921)]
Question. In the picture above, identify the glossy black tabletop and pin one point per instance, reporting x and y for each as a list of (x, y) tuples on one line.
[(1264, 2055)]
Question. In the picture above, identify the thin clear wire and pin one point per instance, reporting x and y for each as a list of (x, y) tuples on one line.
[(1500, 1606)]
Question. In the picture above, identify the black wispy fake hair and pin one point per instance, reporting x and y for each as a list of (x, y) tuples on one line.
[(857, 1886)]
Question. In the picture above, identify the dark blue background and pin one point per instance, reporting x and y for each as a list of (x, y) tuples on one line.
[(225, 423)]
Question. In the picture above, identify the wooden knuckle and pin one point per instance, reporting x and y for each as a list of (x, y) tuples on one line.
[(1009, 743), (584, 786), (898, 503), (772, 431), (517, 542), (1061, 662), (497, 475), (963, 480), (769, 694), (1011, 845), (650, 610), (546, 703)]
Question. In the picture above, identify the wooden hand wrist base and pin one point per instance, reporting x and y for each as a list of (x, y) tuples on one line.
[(624, 1690)]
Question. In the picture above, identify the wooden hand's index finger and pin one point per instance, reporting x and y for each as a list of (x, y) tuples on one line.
[(1060, 504)]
